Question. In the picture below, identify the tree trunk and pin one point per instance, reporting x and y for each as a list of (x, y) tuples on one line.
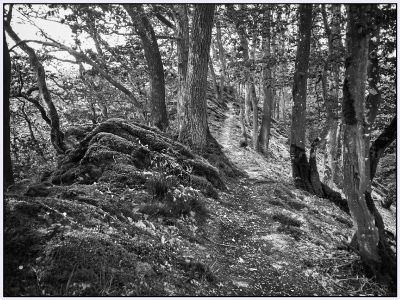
[(221, 55), (214, 79), (7, 169), (300, 166), (158, 110), (196, 82), (370, 236), (254, 102), (182, 49), (56, 135), (247, 103), (243, 140), (379, 146), (330, 87), (265, 130)]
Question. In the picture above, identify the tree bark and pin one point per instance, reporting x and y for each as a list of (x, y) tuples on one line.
[(196, 129), (330, 86), (372, 244), (379, 146), (300, 166), (182, 48), (254, 103), (158, 109), (56, 135), (265, 130), (7, 170)]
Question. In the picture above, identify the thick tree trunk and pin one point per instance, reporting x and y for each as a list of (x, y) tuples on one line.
[(300, 166), (182, 48), (7, 169), (196, 82), (158, 110), (265, 130), (56, 135), (375, 254)]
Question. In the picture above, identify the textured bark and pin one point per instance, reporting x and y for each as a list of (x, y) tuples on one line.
[(56, 135), (7, 169), (372, 243), (300, 167), (254, 103), (182, 48), (265, 130), (248, 106), (196, 129), (379, 146), (330, 86), (158, 110)]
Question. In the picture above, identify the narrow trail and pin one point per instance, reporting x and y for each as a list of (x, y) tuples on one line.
[(248, 160), (271, 237)]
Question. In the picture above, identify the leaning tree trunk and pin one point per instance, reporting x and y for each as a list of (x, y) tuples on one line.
[(7, 168), (300, 166), (196, 129), (56, 135), (182, 49), (158, 109), (265, 130), (372, 247)]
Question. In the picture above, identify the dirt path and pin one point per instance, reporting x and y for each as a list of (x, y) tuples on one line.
[(271, 238)]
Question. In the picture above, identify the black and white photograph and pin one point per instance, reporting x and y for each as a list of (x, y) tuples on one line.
[(199, 149)]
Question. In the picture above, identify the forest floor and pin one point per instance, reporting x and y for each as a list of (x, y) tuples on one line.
[(275, 239), (261, 237)]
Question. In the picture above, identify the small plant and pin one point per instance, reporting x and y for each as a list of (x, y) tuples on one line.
[(157, 186)]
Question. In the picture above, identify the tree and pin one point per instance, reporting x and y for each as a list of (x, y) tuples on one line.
[(182, 48), (250, 95), (374, 252), (57, 136), (7, 169), (196, 126), (158, 110), (330, 87), (300, 166), (221, 56), (265, 130)]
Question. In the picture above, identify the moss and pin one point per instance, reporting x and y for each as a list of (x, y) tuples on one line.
[(296, 205), (294, 232), (204, 186), (286, 220), (86, 263), (276, 202)]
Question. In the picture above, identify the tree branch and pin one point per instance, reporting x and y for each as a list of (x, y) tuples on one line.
[(79, 56)]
